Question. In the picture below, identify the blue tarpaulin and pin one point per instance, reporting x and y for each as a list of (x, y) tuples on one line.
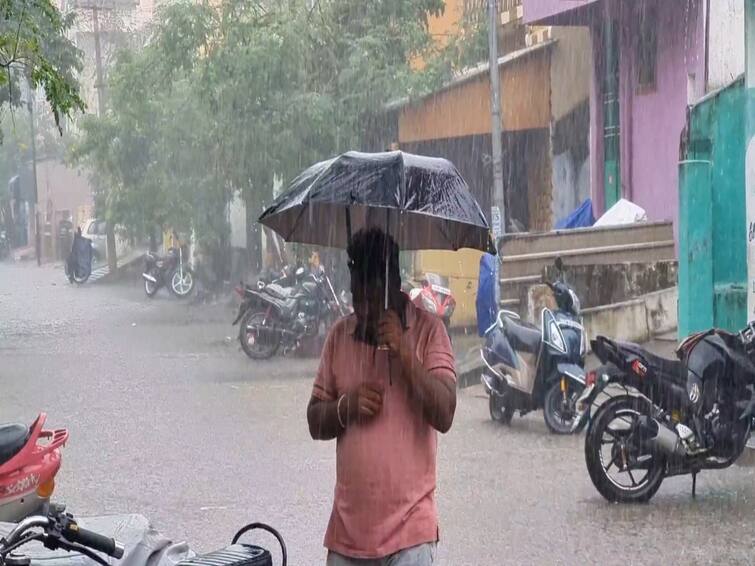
[(582, 217), (486, 307)]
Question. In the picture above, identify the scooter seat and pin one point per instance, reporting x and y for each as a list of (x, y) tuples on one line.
[(12, 439), (523, 338)]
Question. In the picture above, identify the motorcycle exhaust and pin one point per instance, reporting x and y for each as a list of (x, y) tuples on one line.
[(148, 277), (662, 438)]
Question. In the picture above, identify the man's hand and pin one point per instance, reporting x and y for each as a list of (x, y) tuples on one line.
[(363, 403), (391, 333)]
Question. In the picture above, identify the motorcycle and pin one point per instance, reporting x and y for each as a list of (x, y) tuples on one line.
[(78, 265), (672, 417), (527, 368), (433, 295), (57, 529), (272, 316), (29, 460), (170, 271)]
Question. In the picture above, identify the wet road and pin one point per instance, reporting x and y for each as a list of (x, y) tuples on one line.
[(170, 420)]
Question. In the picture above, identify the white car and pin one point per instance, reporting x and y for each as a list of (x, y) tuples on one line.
[(96, 230)]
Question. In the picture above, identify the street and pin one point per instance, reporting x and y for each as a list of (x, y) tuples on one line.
[(168, 418)]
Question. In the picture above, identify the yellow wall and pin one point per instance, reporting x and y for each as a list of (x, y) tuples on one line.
[(442, 27), (464, 109), (571, 71)]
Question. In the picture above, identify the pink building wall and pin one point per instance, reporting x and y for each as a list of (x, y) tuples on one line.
[(652, 120), (551, 11)]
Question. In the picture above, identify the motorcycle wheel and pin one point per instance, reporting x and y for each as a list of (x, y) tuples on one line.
[(254, 345), (80, 276), (613, 437), (151, 288), (68, 273), (500, 409), (558, 414), (182, 286)]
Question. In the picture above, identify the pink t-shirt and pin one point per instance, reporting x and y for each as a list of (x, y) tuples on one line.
[(385, 469)]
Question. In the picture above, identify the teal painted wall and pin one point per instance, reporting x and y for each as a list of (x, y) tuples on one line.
[(715, 136), (695, 280)]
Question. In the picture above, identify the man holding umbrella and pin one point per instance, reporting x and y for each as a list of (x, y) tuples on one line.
[(385, 387), (386, 383)]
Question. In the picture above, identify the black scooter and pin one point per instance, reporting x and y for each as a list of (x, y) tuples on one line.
[(528, 368), (78, 265)]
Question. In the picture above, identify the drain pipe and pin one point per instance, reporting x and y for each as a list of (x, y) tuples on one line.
[(611, 109)]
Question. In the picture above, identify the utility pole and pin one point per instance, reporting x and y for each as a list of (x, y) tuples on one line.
[(112, 259), (749, 142), (37, 241), (497, 199)]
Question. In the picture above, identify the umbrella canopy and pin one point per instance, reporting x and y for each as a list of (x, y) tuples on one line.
[(422, 202)]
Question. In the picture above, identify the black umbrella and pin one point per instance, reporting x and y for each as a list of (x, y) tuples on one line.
[(422, 202)]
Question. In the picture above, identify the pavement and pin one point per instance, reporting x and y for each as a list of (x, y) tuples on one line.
[(169, 419)]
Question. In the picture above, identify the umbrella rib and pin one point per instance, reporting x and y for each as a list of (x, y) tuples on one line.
[(296, 222)]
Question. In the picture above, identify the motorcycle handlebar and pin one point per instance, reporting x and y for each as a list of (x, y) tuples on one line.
[(93, 540), (26, 524)]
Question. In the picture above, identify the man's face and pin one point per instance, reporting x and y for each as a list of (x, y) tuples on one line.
[(368, 298)]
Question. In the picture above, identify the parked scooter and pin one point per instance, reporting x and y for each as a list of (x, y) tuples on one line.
[(58, 530), (170, 271), (29, 460), (78, 265), (527, 368), (434, 295)]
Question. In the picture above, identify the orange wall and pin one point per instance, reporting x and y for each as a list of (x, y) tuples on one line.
[(447, 24), (464, 110)]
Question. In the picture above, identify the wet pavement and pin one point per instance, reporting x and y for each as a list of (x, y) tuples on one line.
[(168, 418)]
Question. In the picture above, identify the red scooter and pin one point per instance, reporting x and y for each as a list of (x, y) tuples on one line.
[(434, 295), (29, 460)]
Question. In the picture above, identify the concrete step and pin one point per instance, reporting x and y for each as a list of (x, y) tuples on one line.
[(560, 240), (517, 266)]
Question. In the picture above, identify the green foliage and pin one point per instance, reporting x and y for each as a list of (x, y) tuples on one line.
[(470, 45), (34, 48), (225, 97)]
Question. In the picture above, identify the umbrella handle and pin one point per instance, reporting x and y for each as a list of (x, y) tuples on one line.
[(387, 252)]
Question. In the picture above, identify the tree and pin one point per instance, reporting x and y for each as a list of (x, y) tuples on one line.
[(227, 96), (34, 48)]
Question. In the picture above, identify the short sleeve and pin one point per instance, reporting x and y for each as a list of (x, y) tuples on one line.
[(324, 387), (438, 356)]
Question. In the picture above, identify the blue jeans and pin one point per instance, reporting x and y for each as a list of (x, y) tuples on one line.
[(422, 555)]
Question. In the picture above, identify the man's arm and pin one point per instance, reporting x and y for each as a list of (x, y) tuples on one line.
[(322, 417), (434, 391), (359, 405)]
